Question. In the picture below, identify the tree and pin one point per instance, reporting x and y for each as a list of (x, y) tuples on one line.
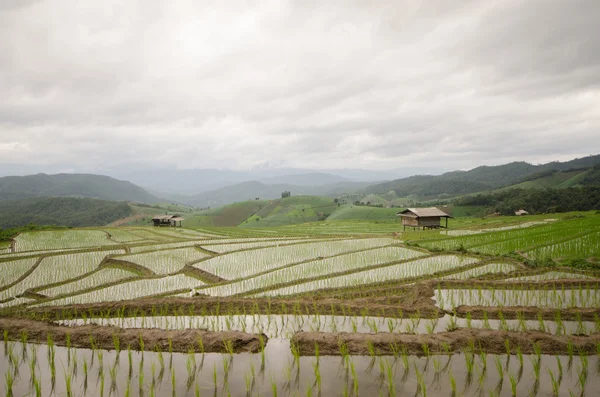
[(285, 194)]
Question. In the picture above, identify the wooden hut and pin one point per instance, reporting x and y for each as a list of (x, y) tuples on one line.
[(426, 218), (176, 219), (167, 220)]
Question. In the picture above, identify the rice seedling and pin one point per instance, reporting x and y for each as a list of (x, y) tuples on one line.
[(274, 387), (555, 382), (8, 383), (452, 381), (513, 384), (174, 382)]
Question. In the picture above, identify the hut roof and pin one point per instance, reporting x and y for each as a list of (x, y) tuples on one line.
[(162, 217), (177, 219), (432, 212)]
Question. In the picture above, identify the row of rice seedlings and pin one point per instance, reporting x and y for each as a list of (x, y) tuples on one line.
[(412, 269), (274, 326), (11, 271), (239, 265), (496, 268), (284, 326), (56, 269), (513, 240), (61, 239), (130, 290), (96, 279), (225, 246), (474, 240), (30, 254), (165, 261), (137, 249), (120, 235), (316, 268), (556, 326), (188, 243), (524, 225), (550, 298), (152, 234), (580, 247), (552, 275)]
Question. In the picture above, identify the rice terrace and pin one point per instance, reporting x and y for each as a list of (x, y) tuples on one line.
[(502, 306)]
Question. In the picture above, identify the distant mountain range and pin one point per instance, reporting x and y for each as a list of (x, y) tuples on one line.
[(197, 181), (418, 188), (480, 179), (72, 185), (252, 190)]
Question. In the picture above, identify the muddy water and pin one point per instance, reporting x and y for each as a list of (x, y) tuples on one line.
[(249, 374)]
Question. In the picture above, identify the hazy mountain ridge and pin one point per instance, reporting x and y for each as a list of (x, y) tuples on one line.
[(197, 181), (254, 189), (72, 185), (478, 179)]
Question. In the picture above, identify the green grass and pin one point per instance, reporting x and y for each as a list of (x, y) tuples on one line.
[(291, 210), (556, 180), (353, 212), (573, 237), (227, 216)]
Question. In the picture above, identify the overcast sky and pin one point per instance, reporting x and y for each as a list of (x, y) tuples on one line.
[(314, 84)]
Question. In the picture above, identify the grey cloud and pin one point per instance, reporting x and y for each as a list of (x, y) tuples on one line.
[(308, 84)]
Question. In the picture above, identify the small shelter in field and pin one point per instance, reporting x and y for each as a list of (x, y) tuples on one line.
[(167, 220), (521, 212), (426, 218)]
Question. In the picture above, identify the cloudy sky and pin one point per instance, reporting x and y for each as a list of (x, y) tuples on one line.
[(376, 84)]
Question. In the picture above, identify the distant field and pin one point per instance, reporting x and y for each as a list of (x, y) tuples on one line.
[(567, 239), (291, 210), (358, 213)]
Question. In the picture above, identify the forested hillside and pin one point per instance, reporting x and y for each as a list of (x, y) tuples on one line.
[(72, 185), (61, 211), (484, 178), (537, 200)]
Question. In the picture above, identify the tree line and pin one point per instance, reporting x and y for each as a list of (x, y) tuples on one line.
[(61, 211)]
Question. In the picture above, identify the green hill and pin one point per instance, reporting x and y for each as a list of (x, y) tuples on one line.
[(354, 212), (228, 215), (551, 179), (292, 210), (536, 201), (486, 178), (61, 211), (72, 185)]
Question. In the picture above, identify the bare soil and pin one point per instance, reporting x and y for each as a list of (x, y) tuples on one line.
[(202, 275), (533, 285), (102, 337), (126, 265), (527, 312), (461, 340)]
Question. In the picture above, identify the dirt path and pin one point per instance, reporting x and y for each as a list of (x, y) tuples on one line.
[(461, 340), (103, 337)]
